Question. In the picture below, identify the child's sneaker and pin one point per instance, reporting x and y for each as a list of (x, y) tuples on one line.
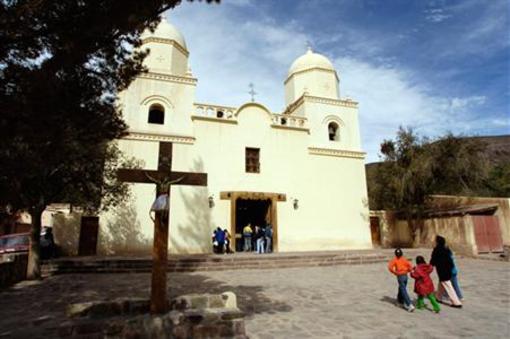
[(409, 308)]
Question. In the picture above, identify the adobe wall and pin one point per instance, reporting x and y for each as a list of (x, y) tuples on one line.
[(503, 211), (458, 231)]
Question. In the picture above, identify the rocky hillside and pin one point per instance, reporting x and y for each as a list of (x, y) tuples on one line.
[(497, 151)]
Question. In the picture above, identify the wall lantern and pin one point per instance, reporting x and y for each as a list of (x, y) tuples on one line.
[(211, 201), (295, 203)]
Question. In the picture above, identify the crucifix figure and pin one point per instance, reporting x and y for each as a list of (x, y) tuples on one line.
[(164, 178), (252, 91)]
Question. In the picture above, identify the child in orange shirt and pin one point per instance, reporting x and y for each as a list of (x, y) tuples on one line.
[(400, 266)]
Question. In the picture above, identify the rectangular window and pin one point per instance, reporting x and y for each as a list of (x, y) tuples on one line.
[(252, 160)]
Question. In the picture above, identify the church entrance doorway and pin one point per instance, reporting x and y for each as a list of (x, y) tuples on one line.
[(256, 208), (253, 212)]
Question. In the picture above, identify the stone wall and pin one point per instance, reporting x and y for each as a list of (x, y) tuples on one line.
[(191, 316), (14, 271)]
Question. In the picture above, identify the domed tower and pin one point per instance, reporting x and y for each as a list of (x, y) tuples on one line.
[(160, 101), (314, 74), (168, 51), (311, 91)]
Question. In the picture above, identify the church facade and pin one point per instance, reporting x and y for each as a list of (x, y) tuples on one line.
[(300, 170)]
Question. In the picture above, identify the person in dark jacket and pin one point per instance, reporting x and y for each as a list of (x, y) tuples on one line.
[(260, 236), (442, 260), (423, 285), (219, 241)]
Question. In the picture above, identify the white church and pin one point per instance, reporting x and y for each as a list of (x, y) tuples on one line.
[(300, 170)]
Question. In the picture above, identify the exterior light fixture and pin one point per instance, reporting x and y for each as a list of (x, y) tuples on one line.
[(295, 203), (211, 201)]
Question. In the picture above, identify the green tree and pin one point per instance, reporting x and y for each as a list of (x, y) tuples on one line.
[(458, 165), (413, 168), (61, 65), (498, 181)]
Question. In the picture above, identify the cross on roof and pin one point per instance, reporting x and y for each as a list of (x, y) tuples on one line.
[(164, 177), (308, 45), (252, 91)]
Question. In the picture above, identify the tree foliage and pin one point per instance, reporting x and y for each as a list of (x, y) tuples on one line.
[(61, 65), (413, 168)]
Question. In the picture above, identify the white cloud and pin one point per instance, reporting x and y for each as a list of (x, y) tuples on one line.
[(389, 98), (436, 15), (228, 52), (461, 103)]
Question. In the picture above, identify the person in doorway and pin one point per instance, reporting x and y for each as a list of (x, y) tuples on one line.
[(400, 266), (260, 235), (247, 235), (219, 238), (228, 240), (423, 285), (441, 259), (269, 238)]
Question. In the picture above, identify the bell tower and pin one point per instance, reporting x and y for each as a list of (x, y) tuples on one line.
[(160, 101), (314, 74), (312, 91)]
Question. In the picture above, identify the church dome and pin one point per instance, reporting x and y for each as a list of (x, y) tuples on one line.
[(165, 30), (310, 60)]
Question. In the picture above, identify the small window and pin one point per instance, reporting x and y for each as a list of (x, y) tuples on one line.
[(333, 131), (156, 115), (252, 160)]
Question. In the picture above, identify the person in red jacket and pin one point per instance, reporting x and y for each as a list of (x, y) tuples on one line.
[(423, 285), (400, 266)]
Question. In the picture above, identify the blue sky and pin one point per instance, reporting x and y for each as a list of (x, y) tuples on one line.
[(436, 66)]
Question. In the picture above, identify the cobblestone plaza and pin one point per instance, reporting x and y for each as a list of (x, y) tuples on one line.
[(347, 301)]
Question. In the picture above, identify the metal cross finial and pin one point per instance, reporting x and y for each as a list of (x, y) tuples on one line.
[(252, 91), (308, 45)]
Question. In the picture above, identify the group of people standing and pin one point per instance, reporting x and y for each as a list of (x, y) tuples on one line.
[(442, 259), (259, 239)]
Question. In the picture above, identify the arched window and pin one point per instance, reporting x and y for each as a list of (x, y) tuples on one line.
[(333, 131), (156, 114)]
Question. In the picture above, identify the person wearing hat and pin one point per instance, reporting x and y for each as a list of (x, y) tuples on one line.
[(400, 266)]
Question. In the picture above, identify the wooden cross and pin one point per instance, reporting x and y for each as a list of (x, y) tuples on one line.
[(163, 178)]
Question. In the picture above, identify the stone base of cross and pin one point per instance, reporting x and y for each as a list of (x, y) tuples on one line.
[(164, 178)]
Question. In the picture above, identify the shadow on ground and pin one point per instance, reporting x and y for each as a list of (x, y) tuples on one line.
[(36, 309)]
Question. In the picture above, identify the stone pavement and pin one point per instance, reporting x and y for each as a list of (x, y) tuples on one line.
[(316, 302)]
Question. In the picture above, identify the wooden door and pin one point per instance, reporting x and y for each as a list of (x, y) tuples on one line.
[(88, 235), (493, 234), (487, 233), (375, 231)]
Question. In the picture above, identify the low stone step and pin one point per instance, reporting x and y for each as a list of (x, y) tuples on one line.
[(216, 263)]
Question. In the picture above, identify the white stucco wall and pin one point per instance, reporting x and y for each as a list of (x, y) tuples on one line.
[(331, 190), (326, 177)]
